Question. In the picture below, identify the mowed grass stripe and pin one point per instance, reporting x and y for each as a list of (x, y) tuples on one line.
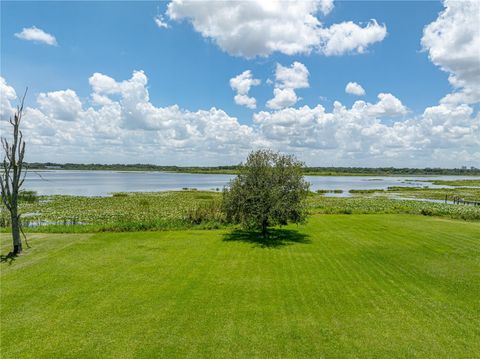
[(369, 301), (384, 271), (414, 289), (371, 287), (359, 286), (402, 284), (432, 290), (352, 261), (371, 291)]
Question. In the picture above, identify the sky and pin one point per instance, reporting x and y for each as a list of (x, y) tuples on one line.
[(337, 83)]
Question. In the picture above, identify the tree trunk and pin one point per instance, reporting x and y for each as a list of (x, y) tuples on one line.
[(17, 241), (11, 179), (264, 229)]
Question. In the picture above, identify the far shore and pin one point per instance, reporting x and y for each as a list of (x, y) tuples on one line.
[(233, 170)]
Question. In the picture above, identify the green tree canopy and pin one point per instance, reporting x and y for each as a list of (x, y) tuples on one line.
[(269, 190)]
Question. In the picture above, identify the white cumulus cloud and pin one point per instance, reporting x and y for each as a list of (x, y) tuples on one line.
[(354, 88), (37, 35), (60, 105), (387, 106), (282, 98), (287, 79), (259, 28), (123, 125), (7, 95), (295, 76), (160, 22), (444, 135), (348, 37), (453, 44), (242, 85)]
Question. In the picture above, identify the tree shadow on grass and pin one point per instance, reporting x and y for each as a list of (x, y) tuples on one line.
[(10, 257), (277, 237)]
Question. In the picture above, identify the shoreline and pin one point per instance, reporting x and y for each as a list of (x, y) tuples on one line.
[(236, 172)]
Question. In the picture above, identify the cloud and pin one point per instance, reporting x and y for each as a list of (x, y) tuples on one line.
[(354, 88), (295, 76), (315, 128), (60, 105), (7, 94), (348, 37), (260, 28), (287, 79), (37, 35), (160, 22), (102, 84), (282, 98), (242, 84), (443, 135), (453, 44), (121, 124), (387, 106), (296, 128)]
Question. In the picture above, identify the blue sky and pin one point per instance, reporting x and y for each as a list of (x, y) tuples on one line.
[(191, 69)]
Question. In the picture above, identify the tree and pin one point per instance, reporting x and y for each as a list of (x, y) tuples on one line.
[(269, 190), (12, 175)]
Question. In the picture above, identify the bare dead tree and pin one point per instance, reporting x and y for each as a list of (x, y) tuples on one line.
[(12, 175)]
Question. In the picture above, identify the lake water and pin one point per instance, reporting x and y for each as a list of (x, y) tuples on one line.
[(103, 183)]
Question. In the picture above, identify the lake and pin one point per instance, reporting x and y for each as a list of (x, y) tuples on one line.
[(104, 183)]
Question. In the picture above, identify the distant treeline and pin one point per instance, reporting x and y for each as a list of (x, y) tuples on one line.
[(390, 171), (319, 171)]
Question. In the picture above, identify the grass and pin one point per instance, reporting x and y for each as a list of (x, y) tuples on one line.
[(378, 205), (340, 286), (324, 191), (457, 183), (466, 193), (469, 194), (365, 191), (124, 211)]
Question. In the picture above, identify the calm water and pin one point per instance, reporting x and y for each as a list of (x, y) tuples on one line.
[(103, 183)]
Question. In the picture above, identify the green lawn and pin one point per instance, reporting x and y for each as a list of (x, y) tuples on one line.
[(342, 286)]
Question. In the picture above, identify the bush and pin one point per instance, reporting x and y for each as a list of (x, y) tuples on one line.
[(205, 213), (427, 212), (27, 197)]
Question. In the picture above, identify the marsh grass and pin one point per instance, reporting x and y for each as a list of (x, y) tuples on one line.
[(459, 183), (365, 191), (377, 205), (127, 212), (467, 193)]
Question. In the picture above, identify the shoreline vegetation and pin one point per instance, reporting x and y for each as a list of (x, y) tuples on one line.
[(192, 209), (233, 170)]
